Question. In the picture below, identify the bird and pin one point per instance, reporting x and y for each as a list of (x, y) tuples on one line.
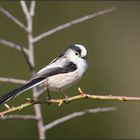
[(63, 72)]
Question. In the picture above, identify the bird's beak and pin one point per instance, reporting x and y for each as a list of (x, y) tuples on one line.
[(85, 57)]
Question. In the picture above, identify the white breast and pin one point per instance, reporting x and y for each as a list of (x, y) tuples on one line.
[(62, 81)]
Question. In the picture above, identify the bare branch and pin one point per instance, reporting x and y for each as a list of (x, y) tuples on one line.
[(14, 19), (40, 123), (32, 8), (31, 68), (73, 22), (12, 80), (19, 117), (24, 7), (29, 28), (77, 114), (95, 97), (29, 20), (12, 45), (12, 109), (69, 99)]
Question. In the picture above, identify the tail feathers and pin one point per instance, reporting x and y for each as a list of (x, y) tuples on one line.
[(21, 89)]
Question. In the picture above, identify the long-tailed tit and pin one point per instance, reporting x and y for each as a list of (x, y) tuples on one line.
[(60, 74)]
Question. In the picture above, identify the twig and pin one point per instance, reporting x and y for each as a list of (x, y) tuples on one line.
[(95, 97), (73, 22), (12, 109), (77, 114), (19, 117), (24, 8), (26, 56), (69, 99), (14, 19), (12, 45), (12, 80), (32, 8), (29, 33)]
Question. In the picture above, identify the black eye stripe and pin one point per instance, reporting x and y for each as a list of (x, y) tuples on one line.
[(75, 48)]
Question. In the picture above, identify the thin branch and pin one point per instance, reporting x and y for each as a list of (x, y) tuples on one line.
[(19, 117), (29, 29), (31, 68), (14, 19), (77, 114), (12, 109), (95, 97), (24, 7), (69, 99), (12, 80), (12, 45), (73, 22), (29, 20), (32, 8)]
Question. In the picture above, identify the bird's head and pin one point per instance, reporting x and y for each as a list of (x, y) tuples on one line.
[(76, 51)]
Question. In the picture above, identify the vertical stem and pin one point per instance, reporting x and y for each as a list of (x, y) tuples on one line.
[(40, 124), (37, 107), (30, 40), (38, 113)]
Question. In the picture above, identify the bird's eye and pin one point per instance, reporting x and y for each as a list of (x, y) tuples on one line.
[(76, 53)]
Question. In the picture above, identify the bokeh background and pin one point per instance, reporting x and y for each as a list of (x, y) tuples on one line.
[(113, 43)]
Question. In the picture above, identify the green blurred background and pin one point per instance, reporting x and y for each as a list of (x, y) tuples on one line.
[(113, 43)]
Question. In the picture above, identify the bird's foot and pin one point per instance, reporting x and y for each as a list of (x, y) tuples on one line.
[(66, 99), (49, 97)]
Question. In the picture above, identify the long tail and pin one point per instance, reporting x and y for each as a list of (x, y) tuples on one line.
[(21, 89)]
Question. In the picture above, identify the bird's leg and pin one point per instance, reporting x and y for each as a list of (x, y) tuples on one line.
[(66, 97), (48, 92)]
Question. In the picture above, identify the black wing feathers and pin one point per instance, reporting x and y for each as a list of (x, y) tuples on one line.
[(69, 67), (18, 90)]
